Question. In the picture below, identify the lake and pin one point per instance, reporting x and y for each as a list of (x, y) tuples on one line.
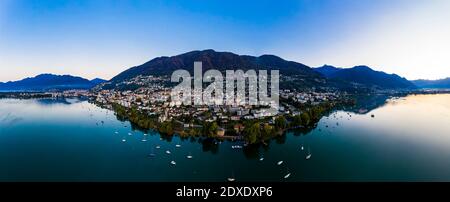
[(408, 139)]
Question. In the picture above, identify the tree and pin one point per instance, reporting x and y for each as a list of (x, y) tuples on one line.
[(252, 133), (210, 129), (305, 119), (297, 121), (213, 129), (193, 132), (166, 128), (280, 123), (267, 132)]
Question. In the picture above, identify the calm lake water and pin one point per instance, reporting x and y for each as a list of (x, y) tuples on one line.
[(73, 140)]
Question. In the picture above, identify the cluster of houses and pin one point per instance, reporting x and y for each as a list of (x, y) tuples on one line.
[(313, 98), (154, 99), (71, 93)]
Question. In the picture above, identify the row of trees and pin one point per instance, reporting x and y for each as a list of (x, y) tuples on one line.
[(144, 121), (139, 119), (254, 132), (310, 116)]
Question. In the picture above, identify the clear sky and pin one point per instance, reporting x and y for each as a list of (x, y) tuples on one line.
[(101, 38)]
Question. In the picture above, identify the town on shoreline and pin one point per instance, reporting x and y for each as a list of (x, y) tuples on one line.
[(151, 108)]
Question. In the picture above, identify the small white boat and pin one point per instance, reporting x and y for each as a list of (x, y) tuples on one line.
[(168, 152), (158, 147), (144, 140), (261, 159), (116, 132), (124, 140), (287, 176), (236, 147), (130, 134), (173, 163), (309, 154), (189, 157), (302, 148), (231, 179), (145, 134), (178, 146), (280, 162)]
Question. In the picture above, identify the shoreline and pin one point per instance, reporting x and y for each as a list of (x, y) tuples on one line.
[(264, 129)]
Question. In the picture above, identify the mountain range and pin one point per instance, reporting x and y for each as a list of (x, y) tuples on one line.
[(222, 61), (441, 83), (365, 76), (293, 74), (46, 82), (301, 76)]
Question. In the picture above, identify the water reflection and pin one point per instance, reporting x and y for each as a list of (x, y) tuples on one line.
[(368, 103), (365, 103), (210, 145), (63, 101), (10, 119), (407, 140)]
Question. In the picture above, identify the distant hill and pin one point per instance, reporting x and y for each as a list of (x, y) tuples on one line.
[(97, 81), (223, 61), (294, 75), (441, 83), (366, 76), (45, 82), (327, 70)]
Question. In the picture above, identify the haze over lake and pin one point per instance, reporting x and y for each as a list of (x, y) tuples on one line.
[(408, 139)]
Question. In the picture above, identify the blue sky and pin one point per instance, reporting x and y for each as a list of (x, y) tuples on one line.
[(101, 38)]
